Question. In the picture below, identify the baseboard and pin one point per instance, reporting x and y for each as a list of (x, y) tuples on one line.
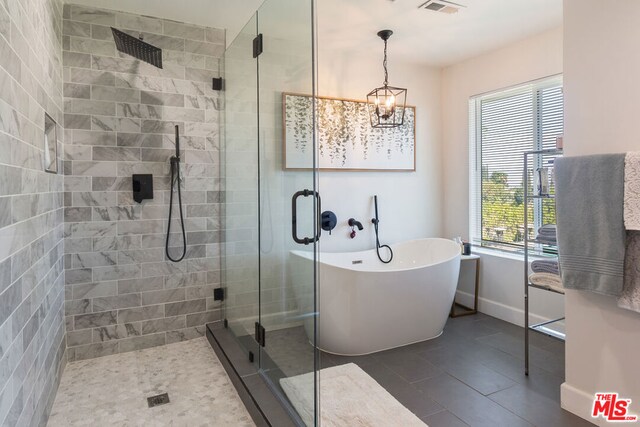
[(501, 311), (579, 402)]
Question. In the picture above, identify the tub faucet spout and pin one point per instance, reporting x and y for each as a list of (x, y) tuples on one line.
[(354, 223)]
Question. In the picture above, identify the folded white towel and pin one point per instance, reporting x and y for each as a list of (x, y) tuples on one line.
[(547, 280), (630, 297), (632, 190)]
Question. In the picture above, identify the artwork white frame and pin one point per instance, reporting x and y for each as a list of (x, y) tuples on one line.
[(346, 140)]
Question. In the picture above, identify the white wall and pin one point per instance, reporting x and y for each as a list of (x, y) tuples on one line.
[(501, 280), (602, 89), (409, 202)]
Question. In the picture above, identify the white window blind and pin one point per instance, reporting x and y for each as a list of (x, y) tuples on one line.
[(502, 126)]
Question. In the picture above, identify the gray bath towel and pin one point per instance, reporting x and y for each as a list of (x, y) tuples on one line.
[(544, 266), (630, 298), (591, 235)]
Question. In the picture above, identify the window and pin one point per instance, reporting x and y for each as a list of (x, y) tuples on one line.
[(502, 126)]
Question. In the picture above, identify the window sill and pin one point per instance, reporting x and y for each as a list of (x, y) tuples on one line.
[(483, 250)]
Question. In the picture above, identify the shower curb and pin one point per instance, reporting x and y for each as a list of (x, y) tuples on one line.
[(265, 408)]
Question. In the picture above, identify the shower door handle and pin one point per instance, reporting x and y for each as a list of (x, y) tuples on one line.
[(294, 218)]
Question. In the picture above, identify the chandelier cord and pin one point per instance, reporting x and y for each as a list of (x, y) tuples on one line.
[(384, 64)]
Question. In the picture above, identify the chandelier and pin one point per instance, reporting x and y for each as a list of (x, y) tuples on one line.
[(386, 103)]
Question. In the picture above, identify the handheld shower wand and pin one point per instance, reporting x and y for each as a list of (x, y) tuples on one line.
[(175, 179), (375, 221), (178, 143)]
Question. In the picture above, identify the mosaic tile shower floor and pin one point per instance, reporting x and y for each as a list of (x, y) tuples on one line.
[(113, 390)]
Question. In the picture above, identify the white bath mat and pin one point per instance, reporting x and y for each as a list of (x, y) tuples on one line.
[(349, 397)]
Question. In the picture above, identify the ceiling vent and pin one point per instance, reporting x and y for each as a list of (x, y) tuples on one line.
[(442, 6)]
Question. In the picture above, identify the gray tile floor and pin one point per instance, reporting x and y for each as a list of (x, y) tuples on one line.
[(471, 375)]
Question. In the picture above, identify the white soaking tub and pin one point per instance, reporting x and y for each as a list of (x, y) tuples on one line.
[(366, 306)]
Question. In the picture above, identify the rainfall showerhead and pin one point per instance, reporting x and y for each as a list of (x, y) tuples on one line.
[(137, 48)]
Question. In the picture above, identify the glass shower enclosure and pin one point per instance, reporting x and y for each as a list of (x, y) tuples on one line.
[(271, 211)]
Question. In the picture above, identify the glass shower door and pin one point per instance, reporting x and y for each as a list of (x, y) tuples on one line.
[(271, 208), (288, 204), (240, 171)]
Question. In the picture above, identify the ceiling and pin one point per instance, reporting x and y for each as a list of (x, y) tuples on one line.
[(350, 26), (430, 37)]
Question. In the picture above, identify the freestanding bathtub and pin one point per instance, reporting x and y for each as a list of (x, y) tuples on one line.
[(366, 306)]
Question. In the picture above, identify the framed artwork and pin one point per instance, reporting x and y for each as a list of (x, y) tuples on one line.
[(346, 140)]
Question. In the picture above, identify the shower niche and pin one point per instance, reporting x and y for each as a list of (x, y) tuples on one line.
[(269, 295)]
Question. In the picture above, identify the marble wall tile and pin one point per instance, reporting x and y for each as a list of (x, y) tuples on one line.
[(78, 338), (138, 314), (75, 59), (177, 29), (163, 296), (72, 245), (139, 140), (5, 212), (78, 276), (81, 75), (163, 325), (75, 90), (92, 15), (120, 116), (185, 307), (5, 275), (117, 332), (118, 124), (215, 35), (77, 152), (93, 350), (116, 243), (204, 48), (116, 154), (141, 285), (139, 111), (76, 28), (84, 168), (116, 302), (94, 47), (165, 99), (139, 343), (108, 93), (93, 259), (138, 23), (198, 319), (80, 106), (116, 272), (94, 290), (77, 214), (93, 320), (101, 32), (77, 121)]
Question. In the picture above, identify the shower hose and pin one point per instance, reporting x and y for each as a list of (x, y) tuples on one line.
[(175, 179), (379, 246), (375, 222)]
